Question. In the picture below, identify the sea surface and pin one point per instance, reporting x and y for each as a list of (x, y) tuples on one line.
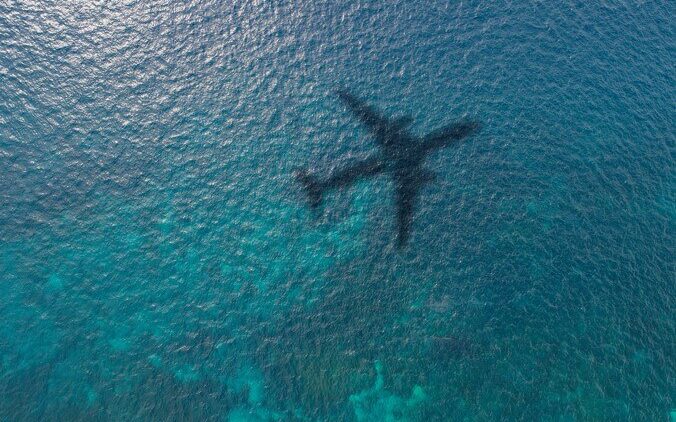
[(158, 261)]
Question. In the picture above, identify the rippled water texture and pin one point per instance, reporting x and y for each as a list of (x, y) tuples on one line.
[(159, 262)]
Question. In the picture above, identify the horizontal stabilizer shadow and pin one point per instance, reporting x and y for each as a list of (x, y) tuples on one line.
[(312, 186)]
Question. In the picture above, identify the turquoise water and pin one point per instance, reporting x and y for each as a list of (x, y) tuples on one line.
[(158, 261)]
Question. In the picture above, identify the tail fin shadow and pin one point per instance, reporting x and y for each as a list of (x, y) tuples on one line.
[(311, 185)]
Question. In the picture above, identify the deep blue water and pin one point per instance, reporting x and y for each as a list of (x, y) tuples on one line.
[(159, 262)]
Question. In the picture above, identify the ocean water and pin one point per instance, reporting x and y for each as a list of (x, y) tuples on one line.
[(159, 262)]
